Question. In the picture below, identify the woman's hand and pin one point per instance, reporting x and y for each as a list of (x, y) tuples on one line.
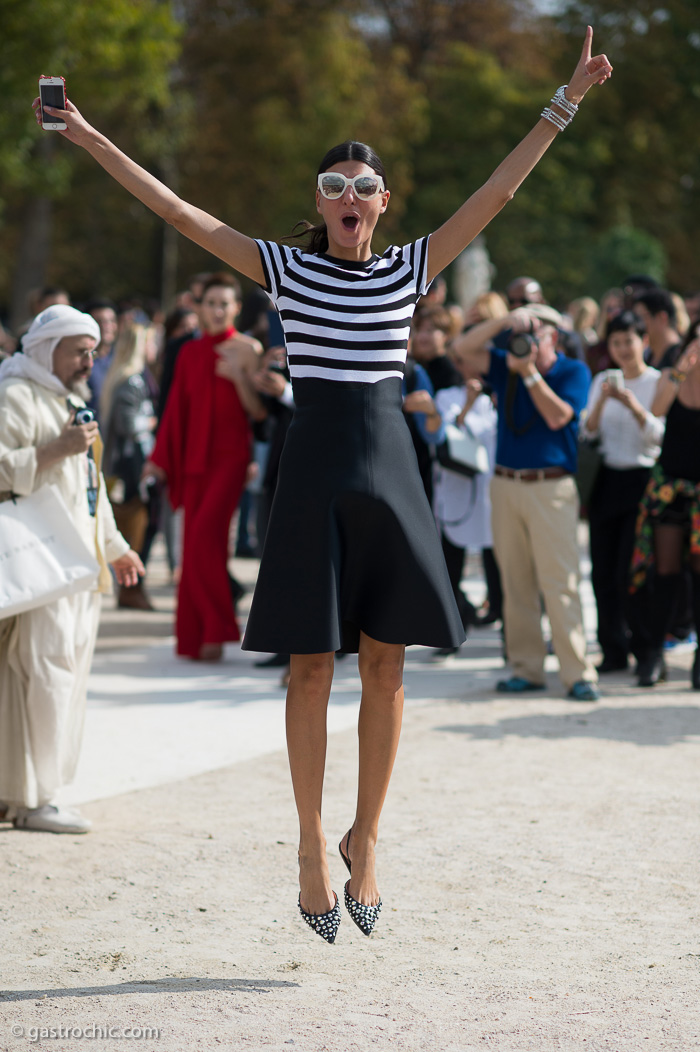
[(624, 395), (77, 129), (228, 367), (419, 402), (238, 361), (606, 390), (589, 71), (690, 357), (422, 402), (235, 357), (269, 382), (128, 568), (474, 389), (151, 470)]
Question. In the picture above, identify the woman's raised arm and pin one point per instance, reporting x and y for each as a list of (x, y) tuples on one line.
[(454, 235), (234, 248)]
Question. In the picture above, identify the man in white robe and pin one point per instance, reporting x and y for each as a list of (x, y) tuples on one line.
[(45, 653)]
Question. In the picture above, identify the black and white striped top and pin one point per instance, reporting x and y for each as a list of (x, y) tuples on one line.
[(345, 320)]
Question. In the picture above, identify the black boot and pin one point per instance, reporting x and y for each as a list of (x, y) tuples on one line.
[(651, 669), (695, 671)]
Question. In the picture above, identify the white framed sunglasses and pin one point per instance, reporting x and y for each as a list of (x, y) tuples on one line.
[(333, 185)]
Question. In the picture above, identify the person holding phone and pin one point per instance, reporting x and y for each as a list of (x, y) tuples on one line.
[(352, 557), (619, 416)]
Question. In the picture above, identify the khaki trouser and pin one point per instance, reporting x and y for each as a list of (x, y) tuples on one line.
[(534, 539)]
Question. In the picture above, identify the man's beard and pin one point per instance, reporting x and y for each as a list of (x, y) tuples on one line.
[(79, 385)]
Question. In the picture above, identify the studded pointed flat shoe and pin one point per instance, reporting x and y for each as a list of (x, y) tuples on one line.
[(324, 924), (365, 917)]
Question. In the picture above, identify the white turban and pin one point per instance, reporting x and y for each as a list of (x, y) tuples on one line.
[(44, 335)]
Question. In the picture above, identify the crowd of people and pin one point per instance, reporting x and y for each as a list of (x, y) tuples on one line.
[(193, 414)]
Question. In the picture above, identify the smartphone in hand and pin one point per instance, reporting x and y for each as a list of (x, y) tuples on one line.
[(52, 92)]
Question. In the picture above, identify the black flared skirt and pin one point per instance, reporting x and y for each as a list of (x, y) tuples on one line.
[(351, 545)]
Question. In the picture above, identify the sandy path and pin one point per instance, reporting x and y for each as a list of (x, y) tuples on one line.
[(539, 869)]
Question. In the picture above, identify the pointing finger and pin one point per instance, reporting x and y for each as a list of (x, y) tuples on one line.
[(588, 40)]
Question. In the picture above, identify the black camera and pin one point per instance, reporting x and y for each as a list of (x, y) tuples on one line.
[(84, 415), (522, 344)]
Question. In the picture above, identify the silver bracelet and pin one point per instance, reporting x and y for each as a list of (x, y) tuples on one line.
[(560, 120), (531, 379)]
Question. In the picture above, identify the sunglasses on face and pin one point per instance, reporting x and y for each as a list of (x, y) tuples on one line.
[(333, 185)]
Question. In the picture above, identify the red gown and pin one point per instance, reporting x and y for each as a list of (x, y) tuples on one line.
[(203, 445)]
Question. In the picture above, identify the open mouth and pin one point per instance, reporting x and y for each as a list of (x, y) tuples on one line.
[(351, 223)]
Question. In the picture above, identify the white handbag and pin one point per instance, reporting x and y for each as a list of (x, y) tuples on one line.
[(462, 452), (42, 555)]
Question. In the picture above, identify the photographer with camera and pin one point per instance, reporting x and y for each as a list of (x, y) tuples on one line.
[(47, 436), (540, 394)]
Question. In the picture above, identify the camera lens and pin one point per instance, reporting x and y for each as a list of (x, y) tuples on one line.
[(84, 416), (521, 344)]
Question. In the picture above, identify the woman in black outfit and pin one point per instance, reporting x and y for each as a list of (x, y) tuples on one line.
[(352, 557), (668, 527)]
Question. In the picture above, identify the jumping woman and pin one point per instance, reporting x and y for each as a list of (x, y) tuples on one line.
[(352, 557)]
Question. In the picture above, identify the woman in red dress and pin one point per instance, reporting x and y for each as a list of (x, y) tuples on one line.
[(203, 450)]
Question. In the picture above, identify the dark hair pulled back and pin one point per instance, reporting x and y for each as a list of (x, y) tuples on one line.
[(316, 237)]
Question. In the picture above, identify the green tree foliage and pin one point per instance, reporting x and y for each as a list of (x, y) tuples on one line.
[(478, 112), (275, 85), (234, 104), (647, 166), (507, 30), (116, 56), (620, 252)]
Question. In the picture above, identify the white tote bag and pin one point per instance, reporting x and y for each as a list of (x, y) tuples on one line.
[(42, 555), (462, 452)]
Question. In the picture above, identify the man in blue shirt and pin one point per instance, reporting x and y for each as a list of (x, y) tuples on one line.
[(540, 394)]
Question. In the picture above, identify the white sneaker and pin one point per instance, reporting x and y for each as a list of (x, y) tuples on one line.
[(51, 819)]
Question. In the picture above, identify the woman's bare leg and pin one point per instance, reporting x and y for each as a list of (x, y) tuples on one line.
[(379, 727), (309, 688)]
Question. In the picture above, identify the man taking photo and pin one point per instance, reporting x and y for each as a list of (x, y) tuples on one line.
[(540, 394)]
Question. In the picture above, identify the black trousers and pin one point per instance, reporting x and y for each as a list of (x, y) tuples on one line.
[(494, 591), (454, 558), (623, 619)]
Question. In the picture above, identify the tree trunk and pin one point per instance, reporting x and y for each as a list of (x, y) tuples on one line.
[(34, 247)]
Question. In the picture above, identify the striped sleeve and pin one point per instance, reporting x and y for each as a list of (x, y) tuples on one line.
[(274, 259), (416, 255)]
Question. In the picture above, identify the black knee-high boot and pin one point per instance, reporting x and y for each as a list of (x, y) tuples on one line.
[(652, 668)]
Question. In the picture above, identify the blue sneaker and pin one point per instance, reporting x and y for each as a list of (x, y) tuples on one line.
[(517, 685), (584, 691), (671, 641)]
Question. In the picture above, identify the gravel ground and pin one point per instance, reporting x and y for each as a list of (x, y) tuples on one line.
[(538, 864)]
